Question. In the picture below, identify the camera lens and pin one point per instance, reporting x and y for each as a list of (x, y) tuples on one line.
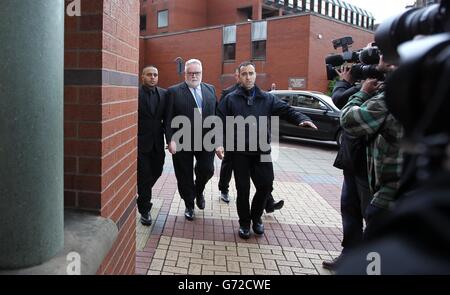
[(399, 29)]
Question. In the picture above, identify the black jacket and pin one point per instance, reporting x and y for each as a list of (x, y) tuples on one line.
[(151, 126), (228, 90), (342, 91), (181, 102), (262, 104), (351, 156)]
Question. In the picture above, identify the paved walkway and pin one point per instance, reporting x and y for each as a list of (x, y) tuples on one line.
[(297, 238)]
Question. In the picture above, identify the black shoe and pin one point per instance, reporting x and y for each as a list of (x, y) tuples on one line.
[(275, 206), (244, 232), (146, 219), (189, 214), (225, 197), (332, 264), (200, 201), (258, 227)]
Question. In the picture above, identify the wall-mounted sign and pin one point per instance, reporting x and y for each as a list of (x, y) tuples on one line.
[(297, 83)]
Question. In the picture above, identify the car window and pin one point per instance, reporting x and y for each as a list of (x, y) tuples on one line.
[(286, 98), (305, 101)]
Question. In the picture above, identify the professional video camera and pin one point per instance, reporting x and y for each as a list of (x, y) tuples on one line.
[(418, 91), (364, 61)]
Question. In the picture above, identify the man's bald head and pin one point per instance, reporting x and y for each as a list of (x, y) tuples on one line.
[(150, 76)]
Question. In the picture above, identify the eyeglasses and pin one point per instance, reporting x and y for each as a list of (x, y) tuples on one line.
[(152, 75), (193, 73)]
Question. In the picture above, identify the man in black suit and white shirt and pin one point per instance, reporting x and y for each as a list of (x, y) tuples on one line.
[(151, 112), (191, 99)]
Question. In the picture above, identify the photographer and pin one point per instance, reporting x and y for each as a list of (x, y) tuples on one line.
[(414, 239), (366, 114), (351, 158)]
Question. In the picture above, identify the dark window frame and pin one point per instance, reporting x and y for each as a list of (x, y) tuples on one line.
[(143, 22), (232, 46), (254, 53)]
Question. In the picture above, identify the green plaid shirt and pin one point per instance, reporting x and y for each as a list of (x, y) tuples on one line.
[(368, 116)]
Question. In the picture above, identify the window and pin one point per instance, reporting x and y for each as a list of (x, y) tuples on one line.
[(323, 7), (309, 102), (229, 43), (286, 98), (229, 52), (259, 50), (163, 18), (259, 37), (143, 23)]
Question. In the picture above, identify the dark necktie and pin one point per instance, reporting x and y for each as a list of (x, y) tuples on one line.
[(153, 100)]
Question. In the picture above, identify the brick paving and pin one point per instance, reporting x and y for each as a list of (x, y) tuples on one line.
[(297, 238)]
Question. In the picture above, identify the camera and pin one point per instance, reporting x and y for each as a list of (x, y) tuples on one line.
[(364, 61), (417, 93)]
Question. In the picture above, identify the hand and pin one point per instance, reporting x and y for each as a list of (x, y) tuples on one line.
[(220, 152), (172, 147), (345, 73), (308, 124), (370, 86)]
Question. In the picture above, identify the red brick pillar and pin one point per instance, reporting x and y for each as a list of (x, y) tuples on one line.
[(100, 124), (257, 10)]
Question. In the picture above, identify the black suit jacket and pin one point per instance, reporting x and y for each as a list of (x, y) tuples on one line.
[(181, 102), (151, 127)]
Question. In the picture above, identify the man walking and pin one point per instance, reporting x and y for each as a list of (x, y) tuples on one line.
[(151, 112), (246, 102), (191, 99), (226, 169)]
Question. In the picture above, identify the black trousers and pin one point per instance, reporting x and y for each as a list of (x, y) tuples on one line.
[(150, 167), (226, 169), (183, 163), (355, 198), (246, 167)]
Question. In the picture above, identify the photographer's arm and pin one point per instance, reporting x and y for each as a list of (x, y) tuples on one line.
[(364, 115), (342, 92)]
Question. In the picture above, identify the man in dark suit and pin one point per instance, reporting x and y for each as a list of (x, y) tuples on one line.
[(226, 167), (151, 112), (194, 101)]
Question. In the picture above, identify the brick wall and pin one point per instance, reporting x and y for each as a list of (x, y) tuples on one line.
[(191, 14), (183, 15), (226, 12), (204, 45), (101, 65), (293, 51)]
